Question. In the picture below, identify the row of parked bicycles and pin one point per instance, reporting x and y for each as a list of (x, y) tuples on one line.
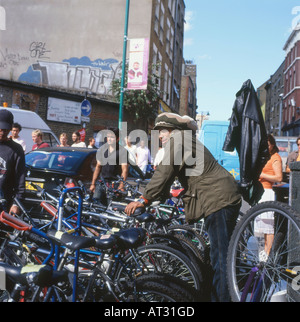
[(74, 247)]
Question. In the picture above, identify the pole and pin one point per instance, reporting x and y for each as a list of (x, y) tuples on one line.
[(124, 64)]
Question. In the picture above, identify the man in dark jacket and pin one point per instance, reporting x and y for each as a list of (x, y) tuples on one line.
[(210, 191), (12, 164)]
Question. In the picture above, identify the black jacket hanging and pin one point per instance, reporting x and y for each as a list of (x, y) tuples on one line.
[(247, 134)]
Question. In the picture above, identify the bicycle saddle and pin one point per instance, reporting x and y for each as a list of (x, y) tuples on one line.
[(145, 218), (41, 275), (105, 242), (70, 241), (130, 238)]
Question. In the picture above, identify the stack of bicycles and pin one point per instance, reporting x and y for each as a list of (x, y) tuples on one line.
[(87, 252), (75, 248)]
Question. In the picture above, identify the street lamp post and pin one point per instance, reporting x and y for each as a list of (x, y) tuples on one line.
[(124, 64)]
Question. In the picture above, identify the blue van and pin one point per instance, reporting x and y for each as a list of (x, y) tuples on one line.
[(212, 134)]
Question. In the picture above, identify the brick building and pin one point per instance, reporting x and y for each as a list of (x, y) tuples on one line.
[(188, 99), (274, 105), (68, 51), (291, 98)]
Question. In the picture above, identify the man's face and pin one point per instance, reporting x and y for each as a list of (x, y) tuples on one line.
[(3, 135), (298, 143), (111, 139), (35, 139), (15, 132), (164, 136)]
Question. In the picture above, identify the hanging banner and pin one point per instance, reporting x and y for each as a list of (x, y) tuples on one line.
[(138, 64), (82, 135)]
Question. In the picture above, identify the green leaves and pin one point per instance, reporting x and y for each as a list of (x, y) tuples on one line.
[(139, 103)]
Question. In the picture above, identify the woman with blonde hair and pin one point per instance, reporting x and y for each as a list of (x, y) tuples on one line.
[(63, 139)]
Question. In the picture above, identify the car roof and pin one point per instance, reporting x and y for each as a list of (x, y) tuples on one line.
[(67, 149)]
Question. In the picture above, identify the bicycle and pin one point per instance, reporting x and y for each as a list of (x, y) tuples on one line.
[(98, 284), (252, 278)]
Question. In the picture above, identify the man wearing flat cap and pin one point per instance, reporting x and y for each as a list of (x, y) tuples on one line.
[(12, 164), (210, 191)]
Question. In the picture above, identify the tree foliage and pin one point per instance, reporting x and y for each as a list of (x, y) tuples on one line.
[(139, 103)]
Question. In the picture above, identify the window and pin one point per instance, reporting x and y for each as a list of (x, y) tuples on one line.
[(156, 22), (162, 22)]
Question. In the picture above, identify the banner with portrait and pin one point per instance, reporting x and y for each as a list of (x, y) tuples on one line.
[(138, 64)]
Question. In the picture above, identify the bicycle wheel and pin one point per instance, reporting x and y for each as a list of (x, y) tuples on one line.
[(159, 258), (256, 278), (194, 237), (157, 288), (178, 242)]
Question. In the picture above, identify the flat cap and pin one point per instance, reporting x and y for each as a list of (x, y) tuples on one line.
[(172, 120)]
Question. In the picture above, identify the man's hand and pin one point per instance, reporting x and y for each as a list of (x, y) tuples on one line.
[(92, 188), (14, 210), (131, 208)]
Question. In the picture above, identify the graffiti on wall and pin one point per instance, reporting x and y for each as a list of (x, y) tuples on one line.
[(74, 73)]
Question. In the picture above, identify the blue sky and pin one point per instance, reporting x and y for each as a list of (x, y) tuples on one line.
[(232, 41)]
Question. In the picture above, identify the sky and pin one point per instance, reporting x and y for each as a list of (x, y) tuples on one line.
[(232, 41)]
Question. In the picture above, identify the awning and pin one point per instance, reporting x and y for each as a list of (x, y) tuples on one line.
[(163, 107), (291, 125)]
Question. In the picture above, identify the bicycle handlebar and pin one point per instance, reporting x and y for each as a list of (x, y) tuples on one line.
[(14, 222)]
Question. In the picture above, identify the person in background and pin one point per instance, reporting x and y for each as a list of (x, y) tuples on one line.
[(37, 138), (111, 160), (271, 174), (12, 164), (92, 143), (143, 156), (293, 156), (77, 142), (131, 148), (63, 139), (15, 131)]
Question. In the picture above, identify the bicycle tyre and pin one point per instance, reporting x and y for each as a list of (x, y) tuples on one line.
[(180, 243), (244, 263), (159, 258), (158, 288), (194, 237)]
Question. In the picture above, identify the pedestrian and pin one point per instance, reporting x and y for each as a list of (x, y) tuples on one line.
[(12, 164), (131, 148), (63, 139), (112, 160), (143, 156), (271, 174), (210, 191), (293, 156), (77, 141), (15, 135), (37, 138), (92, 143)]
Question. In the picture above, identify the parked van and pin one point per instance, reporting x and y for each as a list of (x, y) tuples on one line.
[(31, 121), (212, 134)]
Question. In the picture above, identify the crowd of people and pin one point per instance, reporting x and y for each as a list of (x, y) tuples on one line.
[(211, 193)]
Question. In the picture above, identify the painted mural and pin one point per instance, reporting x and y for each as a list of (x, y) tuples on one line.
[(80, 74)]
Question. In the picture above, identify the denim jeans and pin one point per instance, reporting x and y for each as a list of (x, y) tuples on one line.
[(219, 226)]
